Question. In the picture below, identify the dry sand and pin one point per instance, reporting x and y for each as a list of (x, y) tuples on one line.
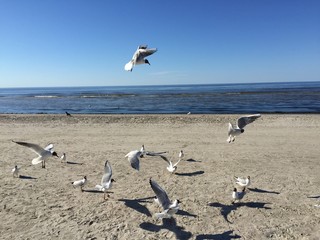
[(281, 153)]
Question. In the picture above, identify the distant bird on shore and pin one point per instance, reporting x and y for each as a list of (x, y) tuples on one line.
[(43, 153), (169, 208), (237, 196), (80, 183), (107, 180), (15, 171), (63, 157), (139, 57), (181, 154), (68, 114), (243, 182), (241, 123)]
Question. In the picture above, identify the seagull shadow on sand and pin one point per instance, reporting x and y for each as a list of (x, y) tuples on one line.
[(314, 196), (192, 160), (222, 236), (169, 224), (136, 205), (26, 177), (190, 174), (227, 209), (74, 163), (262, 191), (94, 191), (185, 213)]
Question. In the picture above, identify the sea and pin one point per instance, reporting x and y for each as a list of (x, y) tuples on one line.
[(280, 97)]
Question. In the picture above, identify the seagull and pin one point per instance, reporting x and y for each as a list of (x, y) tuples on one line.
[(169, 208), (15, 171), (43, 153), (63, 157), (171, 167), (241, 123), (139, 57), (106, 181), (80, 183), (181, 154), (243, 182), (237, 196), (135, 155)]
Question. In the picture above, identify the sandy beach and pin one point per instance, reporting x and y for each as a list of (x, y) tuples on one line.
[(279, 152)]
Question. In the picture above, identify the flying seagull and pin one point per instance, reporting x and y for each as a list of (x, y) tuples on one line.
[(169, 208), (80, 183), (241, 123), (106, 181), (43, 153), (135, 155), (171, 167), (139, 57)]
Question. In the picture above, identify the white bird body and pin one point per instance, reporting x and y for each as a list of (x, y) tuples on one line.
[(135, 155), (171, 167), (243, 182), (237, 196), (134, 159), (106, 181), (43, 153), (241, 123), (15, 171), (80, 183), (139, 57), (169, 208), (63, 157)]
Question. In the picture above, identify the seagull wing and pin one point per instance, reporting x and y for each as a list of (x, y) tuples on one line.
[(243, 121), (240, 180), (166, 159), (142, 53), (154, 153), (107, 173), (177, 163), (230, 128), (133, 158), (49, 147), (34, 147), (161, 194)]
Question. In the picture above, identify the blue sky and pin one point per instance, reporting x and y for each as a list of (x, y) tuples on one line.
[(87, 43)]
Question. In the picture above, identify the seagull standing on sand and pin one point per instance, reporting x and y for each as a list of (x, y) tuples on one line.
[(241, 123), (80, 183), (169, 208), (139, 57), (171, 167), (43, 153), (106, 181), (15, 171), (63, 157), (237, 196), (181, 154), (243, 182)]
